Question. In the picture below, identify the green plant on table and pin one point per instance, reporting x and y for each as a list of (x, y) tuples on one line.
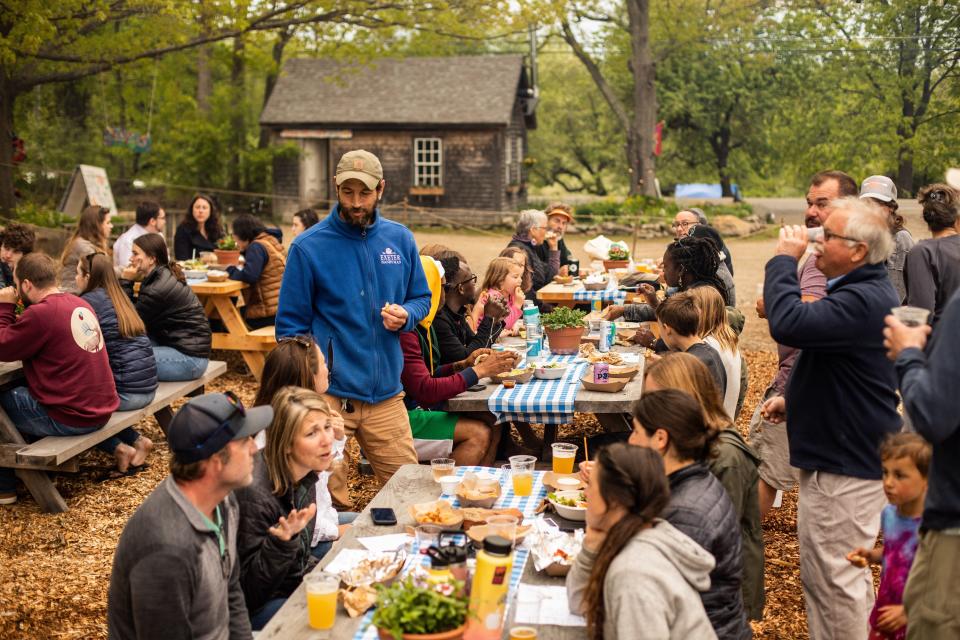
[(563, 318), (227, 243), (618, 253), (406, 607)]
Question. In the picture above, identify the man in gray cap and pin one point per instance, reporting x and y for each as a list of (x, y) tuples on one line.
[(175, 571), (354, 282), (882, 191)]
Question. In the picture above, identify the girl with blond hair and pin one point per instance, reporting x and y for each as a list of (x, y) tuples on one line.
[(278, 509), (92, 235), (717, 333)]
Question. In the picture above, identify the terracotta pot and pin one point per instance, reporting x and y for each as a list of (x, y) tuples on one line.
[(453, 634), (227, 256), (564, 341), (615, 264)]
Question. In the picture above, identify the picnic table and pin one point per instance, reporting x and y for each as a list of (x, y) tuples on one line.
[(411, 484), (218, 299), (611, 409), (569, 295)]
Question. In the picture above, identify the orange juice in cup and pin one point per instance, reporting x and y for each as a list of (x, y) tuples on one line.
[(521, 472), (321, 599)]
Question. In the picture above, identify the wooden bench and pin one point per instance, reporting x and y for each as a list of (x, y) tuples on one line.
[(59, 453)]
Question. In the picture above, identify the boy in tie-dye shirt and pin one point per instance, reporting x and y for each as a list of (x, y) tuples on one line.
[(906, 460)]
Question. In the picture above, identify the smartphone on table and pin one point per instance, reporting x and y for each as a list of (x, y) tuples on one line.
[(383, 516)]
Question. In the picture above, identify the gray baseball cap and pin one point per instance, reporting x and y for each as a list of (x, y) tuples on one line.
[(879, 187)]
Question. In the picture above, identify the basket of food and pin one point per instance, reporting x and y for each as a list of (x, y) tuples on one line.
[(478, 490), (627, 371), (478, 532), (194, 269), (375, 568), (563, 279), (438, 512), (518, 376), (215, 275), (613, 385)]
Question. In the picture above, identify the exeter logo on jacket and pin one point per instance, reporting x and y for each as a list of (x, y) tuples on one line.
[(389, 256)]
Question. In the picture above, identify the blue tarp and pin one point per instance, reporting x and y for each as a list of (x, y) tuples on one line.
[(698, 191)]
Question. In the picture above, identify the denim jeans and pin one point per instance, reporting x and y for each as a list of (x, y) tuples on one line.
[(32, 421), (174, 366), (260, 619), (131, 401)]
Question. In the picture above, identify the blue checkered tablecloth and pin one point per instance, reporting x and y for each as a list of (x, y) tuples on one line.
[(508, 500), (607, 295), (545, 401)]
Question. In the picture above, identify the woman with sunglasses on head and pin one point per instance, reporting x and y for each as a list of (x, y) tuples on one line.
[(637, 576), (92, 235), (128, 348), (297, 361), (278, 510), (174, 318)]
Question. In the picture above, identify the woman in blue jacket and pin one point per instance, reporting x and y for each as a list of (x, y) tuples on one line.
[(128, 347)]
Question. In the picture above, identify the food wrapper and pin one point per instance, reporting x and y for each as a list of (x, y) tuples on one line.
[(474, 487), (358, 600), (549, 545), (375, 568)]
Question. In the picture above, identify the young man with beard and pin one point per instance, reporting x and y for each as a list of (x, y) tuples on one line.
[(69, 385), (354, 282), (455, 339)]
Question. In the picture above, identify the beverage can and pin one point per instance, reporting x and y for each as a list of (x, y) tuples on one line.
[(601, 373), (596, 305), (533, 346), (605, 342), (573, 268)]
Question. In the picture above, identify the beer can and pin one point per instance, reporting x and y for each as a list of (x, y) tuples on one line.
[(601, 373), (596, 305), (605, 332), (533, 346), (573, 268)]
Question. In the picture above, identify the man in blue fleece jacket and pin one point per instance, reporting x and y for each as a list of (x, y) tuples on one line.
[(928, 381), (840, 403), (354, 282)]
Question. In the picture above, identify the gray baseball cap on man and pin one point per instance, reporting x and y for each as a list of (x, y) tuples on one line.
[(206, 424), (879, 187), (361, 165)]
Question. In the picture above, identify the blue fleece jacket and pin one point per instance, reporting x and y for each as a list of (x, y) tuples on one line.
[(841, 397), (338, 278), (928, 383)]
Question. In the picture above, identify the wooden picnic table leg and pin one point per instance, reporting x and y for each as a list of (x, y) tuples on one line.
[(614, 422), (235, 325), (39, 483)]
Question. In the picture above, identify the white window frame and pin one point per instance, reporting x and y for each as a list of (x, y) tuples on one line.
[(428, 162)]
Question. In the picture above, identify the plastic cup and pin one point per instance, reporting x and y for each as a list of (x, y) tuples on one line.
[(321, 588), (427, 535), (523, 633), (521, 472), (911, 316), (563, 457), (814, 234), (504, 526), (442, 467), (448, 484)]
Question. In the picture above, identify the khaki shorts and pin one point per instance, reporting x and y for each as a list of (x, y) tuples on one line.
[(933, 588), (770, 442)]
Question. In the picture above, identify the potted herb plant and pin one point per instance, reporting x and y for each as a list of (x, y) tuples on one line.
[(409, 610), (618, 258), (564, 328), (227, 252)]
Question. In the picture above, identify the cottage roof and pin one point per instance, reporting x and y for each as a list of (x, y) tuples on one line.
[(460, 90)]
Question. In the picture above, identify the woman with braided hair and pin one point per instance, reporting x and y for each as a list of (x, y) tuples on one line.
[(637, 576)]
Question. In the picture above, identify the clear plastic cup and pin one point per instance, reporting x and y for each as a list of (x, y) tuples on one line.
[(321, 588), (563, 457), (911, 316), (504, 526), (427, 535), (442, 467)]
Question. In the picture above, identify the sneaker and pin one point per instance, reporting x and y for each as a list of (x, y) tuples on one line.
[(8, 497)]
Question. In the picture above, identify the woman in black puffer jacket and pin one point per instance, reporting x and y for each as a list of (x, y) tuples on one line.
[(175, 321), (278, 510), (671, 422), (128, 347)]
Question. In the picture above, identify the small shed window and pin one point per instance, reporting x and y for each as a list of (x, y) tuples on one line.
[(428, 162)]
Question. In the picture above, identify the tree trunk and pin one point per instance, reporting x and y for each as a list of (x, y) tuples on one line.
[(237, 121), (8, 96), (282, 39), (641, 137), (121, 121), (909, 80)]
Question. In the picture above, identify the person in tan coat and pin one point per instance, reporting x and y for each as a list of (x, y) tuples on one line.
[(265, 259)]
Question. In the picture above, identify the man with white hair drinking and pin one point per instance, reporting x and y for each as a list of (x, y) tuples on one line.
[(841, 402), (532, 231)]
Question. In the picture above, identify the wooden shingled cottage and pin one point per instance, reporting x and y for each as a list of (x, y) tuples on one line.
[(450, 132)]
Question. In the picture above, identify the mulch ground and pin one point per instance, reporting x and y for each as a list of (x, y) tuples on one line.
[(55, 569)]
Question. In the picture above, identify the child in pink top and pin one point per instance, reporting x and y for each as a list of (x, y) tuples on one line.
[(502, 280)]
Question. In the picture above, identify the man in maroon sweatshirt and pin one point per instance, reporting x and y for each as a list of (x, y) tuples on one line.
[(70, 389)]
